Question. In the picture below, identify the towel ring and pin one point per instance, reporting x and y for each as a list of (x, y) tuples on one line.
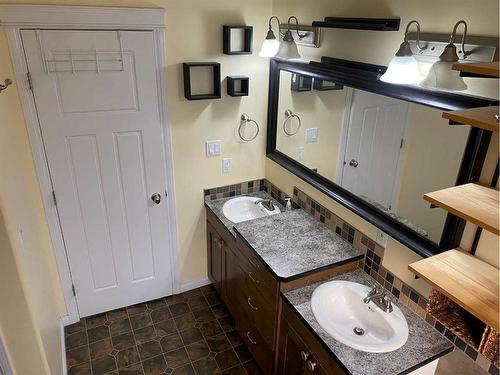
[(7, 83), (244, 119), (288, 115)]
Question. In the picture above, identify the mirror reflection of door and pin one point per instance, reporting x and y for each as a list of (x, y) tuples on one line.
[(372, 151)]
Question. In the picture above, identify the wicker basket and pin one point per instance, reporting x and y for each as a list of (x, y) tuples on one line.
[(489, 346), (449, 314)]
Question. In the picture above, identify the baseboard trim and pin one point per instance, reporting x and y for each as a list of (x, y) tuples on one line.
[(63, 347), (69, 319), (195, 284)]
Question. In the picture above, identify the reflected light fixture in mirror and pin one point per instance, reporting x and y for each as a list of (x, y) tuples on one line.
[(440, 75), (270, 45), (403, 67), (288, 48)]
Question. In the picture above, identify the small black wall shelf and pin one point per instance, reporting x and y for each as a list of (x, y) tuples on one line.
[(301, 83), (216, 92), (376, 24), (232, 83), (247, 43), (323, 85)]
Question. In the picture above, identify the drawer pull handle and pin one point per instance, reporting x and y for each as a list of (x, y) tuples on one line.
[(311, 365), (249, 301), (304, 355), (250, 274), (250, 338)]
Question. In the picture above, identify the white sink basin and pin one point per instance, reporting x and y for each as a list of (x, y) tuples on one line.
[(244, 208), (339, 308)]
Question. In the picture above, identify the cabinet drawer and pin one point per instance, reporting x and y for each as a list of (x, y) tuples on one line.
[(256, 273), (261, 313), (261, 351)]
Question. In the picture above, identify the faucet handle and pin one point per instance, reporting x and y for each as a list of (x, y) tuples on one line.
[(374, 290)]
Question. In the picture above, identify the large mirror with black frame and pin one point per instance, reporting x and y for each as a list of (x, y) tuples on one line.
[(373, 150)]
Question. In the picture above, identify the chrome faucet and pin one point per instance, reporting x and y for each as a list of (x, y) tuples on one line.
[(380, 299), (266, 203)]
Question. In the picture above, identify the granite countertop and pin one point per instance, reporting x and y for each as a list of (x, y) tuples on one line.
[(424, 343), (294, 244), (216, 207)]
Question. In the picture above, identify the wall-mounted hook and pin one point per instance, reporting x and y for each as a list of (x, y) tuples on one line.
[(7, 83)]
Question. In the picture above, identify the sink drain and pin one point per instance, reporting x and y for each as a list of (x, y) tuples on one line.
[(358, 331)]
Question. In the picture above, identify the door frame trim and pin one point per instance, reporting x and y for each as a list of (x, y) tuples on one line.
[(18, 17)]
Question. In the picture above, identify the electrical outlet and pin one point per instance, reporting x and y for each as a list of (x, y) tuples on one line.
[(300, 153), (311, 135), (226, 165), (213, 148), (382, 238)]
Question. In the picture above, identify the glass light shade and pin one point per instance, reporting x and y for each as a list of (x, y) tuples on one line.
[(288, 51), (269, 48), (402, 70), (441, 76)]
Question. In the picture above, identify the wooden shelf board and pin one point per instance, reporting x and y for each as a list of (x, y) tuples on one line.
[(471, 202), (466, 280), (490, 69), (482, 117)]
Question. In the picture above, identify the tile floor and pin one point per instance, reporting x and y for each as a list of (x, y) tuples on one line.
[(190, 333)]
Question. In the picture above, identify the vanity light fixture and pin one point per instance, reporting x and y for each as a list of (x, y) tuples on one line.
[(440, 75), (270, 45), (403, 68), (288, 48)]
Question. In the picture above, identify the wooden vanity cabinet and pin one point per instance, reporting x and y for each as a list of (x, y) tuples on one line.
[(299, 352), (215, 249), (251, 293)]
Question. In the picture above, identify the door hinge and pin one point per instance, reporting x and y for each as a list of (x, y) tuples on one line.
[(30, 81), (402, 143), (73, 290), (54, 197)]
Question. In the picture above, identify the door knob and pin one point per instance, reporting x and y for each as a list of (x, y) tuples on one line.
[(353, 163), (156, 197)]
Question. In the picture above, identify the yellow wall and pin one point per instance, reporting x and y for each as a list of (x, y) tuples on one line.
[(17, 328), (432, 156), (378, 48), (21, 205)]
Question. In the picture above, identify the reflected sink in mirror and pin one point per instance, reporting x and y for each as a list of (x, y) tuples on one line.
[(339, 309), (246, 208)]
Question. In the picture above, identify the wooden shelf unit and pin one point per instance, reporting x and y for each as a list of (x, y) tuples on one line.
[(482, 117), (486, 69), (471, 202), (466, 280)]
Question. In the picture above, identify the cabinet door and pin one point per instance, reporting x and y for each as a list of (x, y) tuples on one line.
[(214, 248), (294, 357)]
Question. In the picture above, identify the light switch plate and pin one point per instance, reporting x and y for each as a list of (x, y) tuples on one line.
[(226, 165), (311, 135), (300, 153), (213, 148)]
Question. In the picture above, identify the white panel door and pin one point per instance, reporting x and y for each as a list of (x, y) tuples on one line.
[(96, 94), (376, 130)]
